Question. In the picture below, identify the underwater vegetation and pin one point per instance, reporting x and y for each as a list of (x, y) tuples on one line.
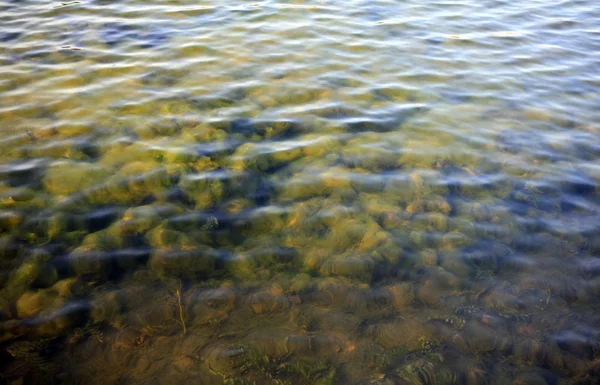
[(279, 261), (302, 193)]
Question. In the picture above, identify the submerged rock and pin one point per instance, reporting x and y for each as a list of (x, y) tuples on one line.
[(66, 178), (183, 262), (87, 260), (212, 305), (401, 295), (272, 300), (106, 307), (221, 359), (138, 220), (9, 221), (418, 185), (349, 265), (36, 271), (32, 303), (209, 189), (134, 183), (408, 334), (530, 378), (330, 292), (424, 372), (478, 338)]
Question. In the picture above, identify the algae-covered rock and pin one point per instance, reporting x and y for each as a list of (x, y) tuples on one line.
[(161, 237), (405, 334), (401, 295), (428, 257), (390, 252), (212, 305), (189, 222), (66, 178), (21, 198), (221, 359), (439, 283), (264, 220), (370, 152), (303, 186), (429, 222), (241, 266), (327, 344), (204, 133), (272, 300), (374, 238), (9, 220), (264, 156), (346, 234), (478, 338), (21, 279), (455, 263), (505, 298), (431, 203), (306, 216), (365, 181), (301, 283), (81, 149), (530, 377), (89, 260), (415, 186), (454, 240), (179, 155), (32, 303), (378, 207), (110, 238), (105, 307), (274, 128), (424, 239), (41, 228), (183, 263), (140, 219), (251, 156), (331, 291), (249, 263), (424, 152), (478, 211), (424, 372), (237, 205), (134, 183), (128, 338), (58, 225), (334, 181), (208, 189), (395, 221), (204, 163), (36, 271), (463, 225), (334, 214), (318, 146), (353, 265), (68, 287), (124, 151), (155, 314)]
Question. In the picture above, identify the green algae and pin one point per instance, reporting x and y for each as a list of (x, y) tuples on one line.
[(319, 229)]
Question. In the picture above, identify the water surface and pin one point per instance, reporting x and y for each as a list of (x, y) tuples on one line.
[(300, 192)]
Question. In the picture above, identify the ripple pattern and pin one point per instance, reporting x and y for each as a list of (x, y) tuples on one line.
[(300, 192)]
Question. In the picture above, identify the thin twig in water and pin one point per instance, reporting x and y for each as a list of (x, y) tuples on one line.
[(181, 315)]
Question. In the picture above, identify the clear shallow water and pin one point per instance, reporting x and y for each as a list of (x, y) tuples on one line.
[(306, 192)]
